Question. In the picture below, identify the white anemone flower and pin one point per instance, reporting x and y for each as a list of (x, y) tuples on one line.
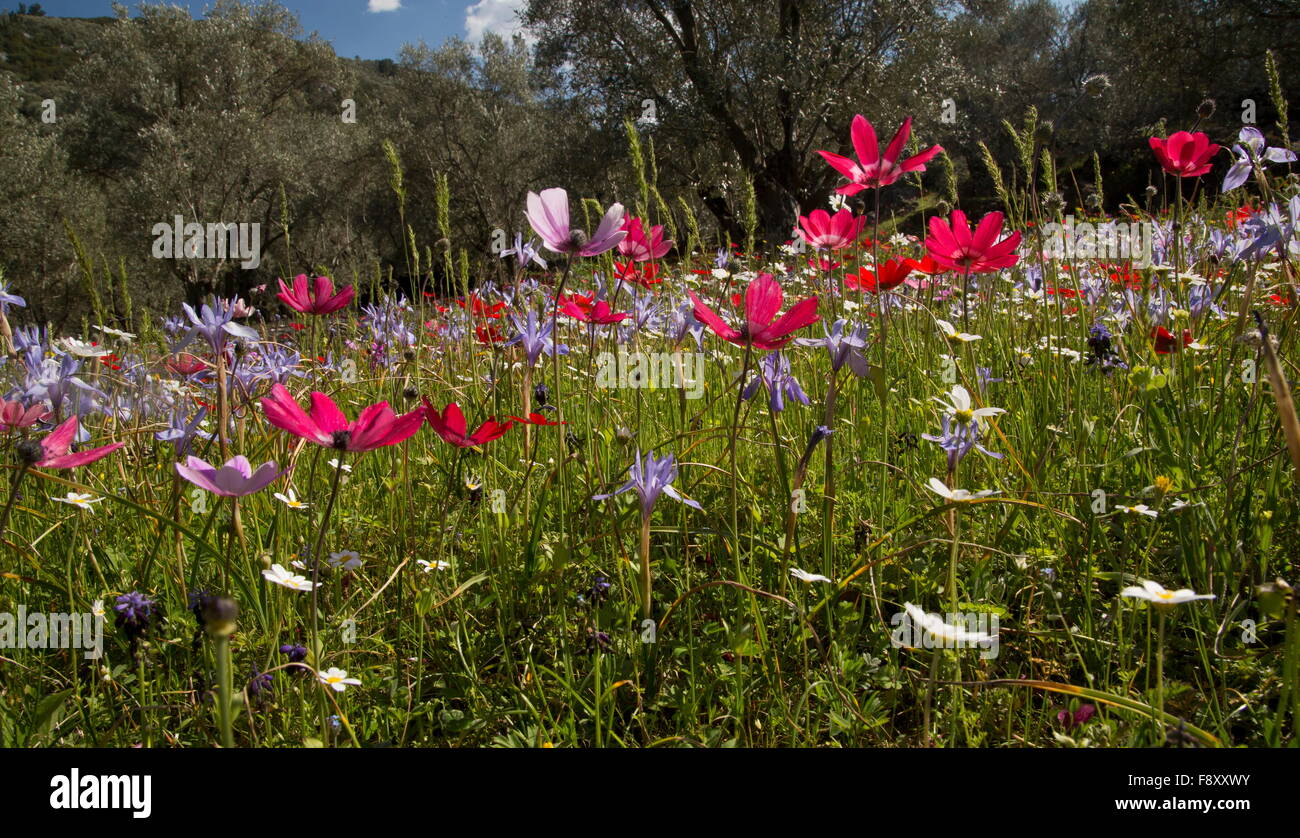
[(82, 349), (1160, 595)]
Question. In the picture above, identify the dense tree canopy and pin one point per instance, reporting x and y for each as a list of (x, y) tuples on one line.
[(239, 117)]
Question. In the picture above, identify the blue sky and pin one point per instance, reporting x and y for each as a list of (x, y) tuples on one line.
[(365, 28)]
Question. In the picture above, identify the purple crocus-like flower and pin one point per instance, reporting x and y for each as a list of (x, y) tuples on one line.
[(535, 337), (845, 342), (215, 322), (1252, 157), (182, 432), (774, 374), (524, 252), (233, 480), (958, 441), (548, 214), (650, 478), (7, 299)]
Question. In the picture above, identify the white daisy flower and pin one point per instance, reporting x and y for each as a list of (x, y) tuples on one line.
[(334, 463), (1157, 593), (959, 405), (956, 495), (805, 576), (951, 333), (345, 560), (429, 567), (337, 679), (78, 500), (935, 626), (125, 337), (291, 500), (286, 579), (1140, 509)]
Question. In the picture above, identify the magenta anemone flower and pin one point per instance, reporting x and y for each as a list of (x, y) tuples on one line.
[(873, 171), (52, 452), (375, 427), (548, 213), (762, 328), (1184, 154), (450, 425), (598, 313), (641, 247), (957, 249), (14, 416), (830, 232), (233, 480), (316, 297)]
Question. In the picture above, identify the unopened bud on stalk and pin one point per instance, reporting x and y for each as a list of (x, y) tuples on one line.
[(1205, 110)]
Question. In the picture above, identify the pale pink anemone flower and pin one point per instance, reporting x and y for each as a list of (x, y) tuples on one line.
[(13, 416), (640, 247), (762, 328), (314, 297), (822, 230), (53, 451), (376, 426), (548, 214), (873, 171), (233, 480)]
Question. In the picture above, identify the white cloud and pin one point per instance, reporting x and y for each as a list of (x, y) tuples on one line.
[(385, 5), (499, 16)]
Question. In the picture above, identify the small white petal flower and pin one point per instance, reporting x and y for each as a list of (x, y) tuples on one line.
[(82, 349), (950, 332), (1139, 509), (338, 679), (432, 566), (956, 495), (347, 469), (805, 576), (286, 579), (935, 626), (345, 559), (959, 405), (97, 608), (78, 500), (125, 337), (291, 500), (1157, 593)]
